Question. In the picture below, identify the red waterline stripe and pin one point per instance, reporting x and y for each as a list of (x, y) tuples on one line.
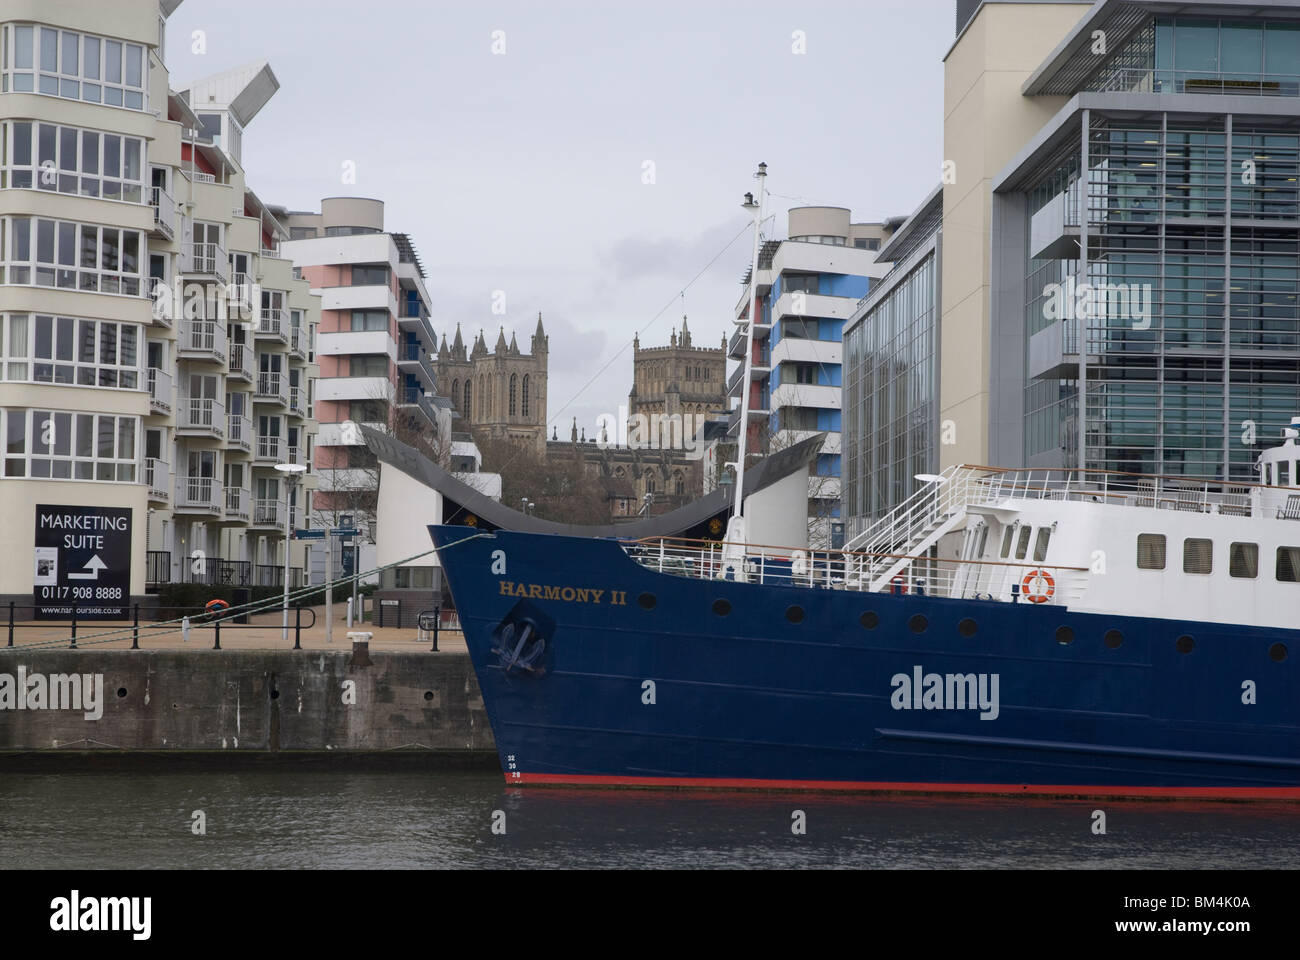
[(866, 786)]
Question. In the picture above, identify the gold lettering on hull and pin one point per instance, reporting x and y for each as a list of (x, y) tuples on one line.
[(542, 591)]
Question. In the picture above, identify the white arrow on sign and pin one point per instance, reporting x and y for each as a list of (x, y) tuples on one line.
[(94, 565)]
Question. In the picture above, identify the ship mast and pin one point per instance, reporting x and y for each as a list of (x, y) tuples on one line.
[(736, 525)]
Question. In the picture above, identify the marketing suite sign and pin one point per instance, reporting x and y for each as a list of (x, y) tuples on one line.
[(83, 558)]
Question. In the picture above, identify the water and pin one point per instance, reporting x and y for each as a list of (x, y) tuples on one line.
[(351, 819)]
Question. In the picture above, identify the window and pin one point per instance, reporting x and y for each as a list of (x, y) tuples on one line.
[(799, 373), (74, 256), (523, 397), (1198, 555), (1243, 561), (369, 320), (50, 444), (1040, 544), (89, 353), (1006, 541), (350, 231), (369, 276), (368, 365), (302, 233), (514, 385), (1022, 543), (368, 411), (799, 329), (1288, 564), (800, 282), (465, 410), (1151, 551), (73, 161), (75, 66)]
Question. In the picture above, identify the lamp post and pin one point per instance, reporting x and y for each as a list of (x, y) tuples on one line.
[(756, 208), (290, 472)]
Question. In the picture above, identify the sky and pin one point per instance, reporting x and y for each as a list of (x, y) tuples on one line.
[(589, 160)]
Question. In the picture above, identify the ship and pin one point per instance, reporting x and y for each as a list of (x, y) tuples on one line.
[(1088, 633)]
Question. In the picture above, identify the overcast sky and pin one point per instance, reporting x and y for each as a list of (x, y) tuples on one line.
[(523, 171)]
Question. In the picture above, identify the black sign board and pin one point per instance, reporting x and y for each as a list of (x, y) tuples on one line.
[(83, 557)]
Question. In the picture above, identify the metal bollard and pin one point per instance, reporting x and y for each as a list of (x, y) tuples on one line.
[(135, 628), (185, 629), (437, 622), (73, 644), (297, 626), (349, 613), (216, 634)]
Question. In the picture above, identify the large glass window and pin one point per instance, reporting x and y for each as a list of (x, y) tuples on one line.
[(54, 445), (369, 320), (73, 65), (40, 348), (75, 256), (368, 365), (72, 160), (369, 276)]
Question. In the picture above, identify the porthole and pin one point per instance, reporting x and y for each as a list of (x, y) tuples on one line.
[(1064, 636), (1185, 644), (918, 624), (794, 614), (121, 691), (428, 695), (869, 620), (721, 607), (1113, 639), (967, 628), (1277, 652), (647, 601), (275, 694)]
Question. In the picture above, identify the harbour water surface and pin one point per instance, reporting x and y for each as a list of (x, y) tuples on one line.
[(350, 819)]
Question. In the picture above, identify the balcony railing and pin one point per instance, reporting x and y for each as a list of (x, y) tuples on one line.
[(267, 513), (156, 474), (160, 390), (272, 386), (206, 259), (298, 342), (164, 212), (198, 493), (293, 454), (271, 323), (269, 448), (239, 431), (208, 416), (297, 400), (241, 361), (205, 339), (238, 502)]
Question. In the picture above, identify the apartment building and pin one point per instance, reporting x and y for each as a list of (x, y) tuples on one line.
[(807, 286), (145, 386), (376, 350)]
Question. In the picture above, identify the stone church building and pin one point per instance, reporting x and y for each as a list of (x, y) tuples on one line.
[(500, 393)]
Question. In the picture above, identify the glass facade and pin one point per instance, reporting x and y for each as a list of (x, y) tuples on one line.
[(1193, 329), (1206, 55), (890, 397)]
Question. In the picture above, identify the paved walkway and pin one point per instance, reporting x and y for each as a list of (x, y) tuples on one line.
[(262, 633)]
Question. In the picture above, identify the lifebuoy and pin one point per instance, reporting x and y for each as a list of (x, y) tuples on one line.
[(212, 606), (1040, 578)]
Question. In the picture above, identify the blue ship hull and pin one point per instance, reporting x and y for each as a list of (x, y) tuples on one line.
[(597, 670)]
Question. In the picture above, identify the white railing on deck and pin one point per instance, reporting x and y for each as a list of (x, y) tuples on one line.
[(843, 570)]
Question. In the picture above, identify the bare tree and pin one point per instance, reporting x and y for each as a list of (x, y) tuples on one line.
[(565, 489)]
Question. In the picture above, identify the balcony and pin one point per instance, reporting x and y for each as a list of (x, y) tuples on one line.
[(240, 291), (272, 325), (298, 342), (206, 261), (201, 417), (297, 401), (270, 448), (272, 388), (160, 391), (156, 476), (266, 513), (198, 495), (414, 359), (239, 432), (238, 504), (164, 213), (240, 366), (293, 453), (202, 340)]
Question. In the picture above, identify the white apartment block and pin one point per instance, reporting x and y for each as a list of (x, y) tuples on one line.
[(155, 349)]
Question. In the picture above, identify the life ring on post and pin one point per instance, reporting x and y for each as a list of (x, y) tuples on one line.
[(215, 606), (1042, 589)]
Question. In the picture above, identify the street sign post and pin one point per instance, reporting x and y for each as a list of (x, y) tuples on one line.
[(309, 534), (82, 557)]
